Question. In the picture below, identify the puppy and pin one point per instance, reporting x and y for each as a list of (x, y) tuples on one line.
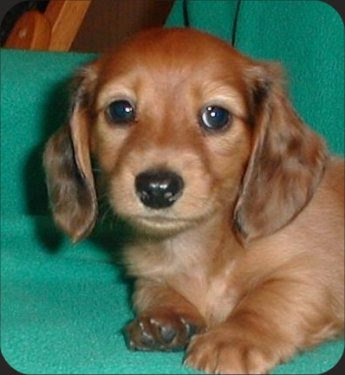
[(238, 207)]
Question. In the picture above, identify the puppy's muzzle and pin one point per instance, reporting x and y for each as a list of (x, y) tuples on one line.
[(158, 188)]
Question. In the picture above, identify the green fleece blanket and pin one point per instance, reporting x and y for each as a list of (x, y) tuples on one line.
[(63, 306)]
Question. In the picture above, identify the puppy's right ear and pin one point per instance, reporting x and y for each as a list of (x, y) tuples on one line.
[(67, 163), (287, 161)]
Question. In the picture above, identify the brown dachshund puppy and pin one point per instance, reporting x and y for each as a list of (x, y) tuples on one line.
[(238, 207)]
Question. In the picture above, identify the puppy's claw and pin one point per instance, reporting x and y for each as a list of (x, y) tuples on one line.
[(147, 339), (166, 332)]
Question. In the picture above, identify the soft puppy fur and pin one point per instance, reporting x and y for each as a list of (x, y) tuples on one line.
[(237, 205)]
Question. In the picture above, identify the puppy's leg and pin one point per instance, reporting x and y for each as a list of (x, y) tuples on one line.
[(267, 327), (166, 320)]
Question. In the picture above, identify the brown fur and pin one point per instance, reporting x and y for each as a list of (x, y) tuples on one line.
[(247, 267)]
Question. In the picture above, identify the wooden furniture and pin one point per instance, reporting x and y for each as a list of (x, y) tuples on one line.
[(110, 22), (53, 30)]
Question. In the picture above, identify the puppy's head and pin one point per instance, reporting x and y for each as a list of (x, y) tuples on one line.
[(182, 126)]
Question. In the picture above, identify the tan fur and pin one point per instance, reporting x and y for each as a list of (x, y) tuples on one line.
[(252, 253)]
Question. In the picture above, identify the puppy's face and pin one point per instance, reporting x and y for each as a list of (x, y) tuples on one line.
[(182, 126), (170, 129)]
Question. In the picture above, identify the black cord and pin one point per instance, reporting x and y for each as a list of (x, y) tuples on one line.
[(185, 13), (234, 28)]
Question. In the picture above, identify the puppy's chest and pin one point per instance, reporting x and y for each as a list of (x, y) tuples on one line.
[(213, 295), (212, 292)]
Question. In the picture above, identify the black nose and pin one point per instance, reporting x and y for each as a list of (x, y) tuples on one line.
[(158, 188)]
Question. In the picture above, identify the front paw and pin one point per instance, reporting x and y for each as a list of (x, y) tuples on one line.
[(218, 352), (161, 331)]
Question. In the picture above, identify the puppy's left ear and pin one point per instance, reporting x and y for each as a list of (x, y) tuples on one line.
[(67, 162), (286, 163)]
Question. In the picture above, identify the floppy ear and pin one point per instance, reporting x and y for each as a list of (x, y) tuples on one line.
[(286, 163), (67, 163)]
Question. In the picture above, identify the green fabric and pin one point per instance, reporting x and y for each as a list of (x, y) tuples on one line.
[(62, 306), (217, 17), (308, 38)]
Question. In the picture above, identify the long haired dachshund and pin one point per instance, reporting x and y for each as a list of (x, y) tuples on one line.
[(238, 207)]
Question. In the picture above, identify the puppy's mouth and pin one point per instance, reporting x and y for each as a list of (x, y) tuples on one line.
[(159, 224), (165, 224)]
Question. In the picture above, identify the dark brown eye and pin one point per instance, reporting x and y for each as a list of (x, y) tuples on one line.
[(120, 112), (214, 118)]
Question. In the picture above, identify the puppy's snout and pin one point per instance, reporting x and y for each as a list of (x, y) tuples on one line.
[(158, 188)]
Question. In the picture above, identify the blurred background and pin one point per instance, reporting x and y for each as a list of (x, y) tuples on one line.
[(78, 25)]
